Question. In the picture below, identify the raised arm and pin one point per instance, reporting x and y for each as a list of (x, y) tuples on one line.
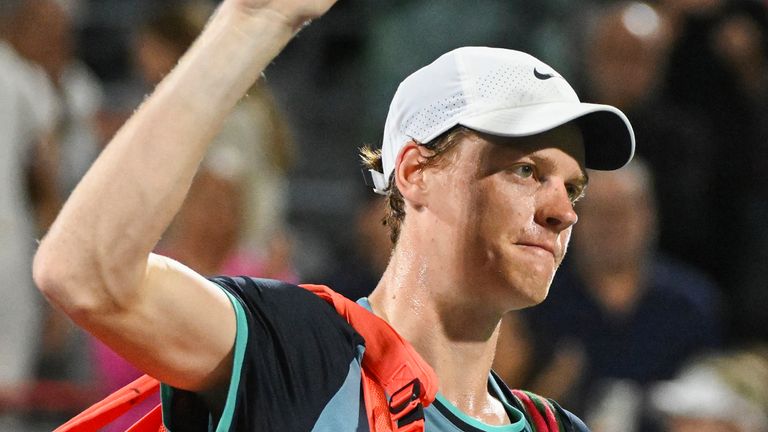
[(95, 262)]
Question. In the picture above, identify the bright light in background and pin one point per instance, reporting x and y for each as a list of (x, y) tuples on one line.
[(641, 20)]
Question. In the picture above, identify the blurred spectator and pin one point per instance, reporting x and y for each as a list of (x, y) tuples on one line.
[(633, 314), (44, 34), (28, 115), (720, 393), (358, 271), (207, 232), (627, 52), (718, 66)]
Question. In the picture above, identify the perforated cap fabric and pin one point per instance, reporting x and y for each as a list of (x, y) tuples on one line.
[(501, 92)]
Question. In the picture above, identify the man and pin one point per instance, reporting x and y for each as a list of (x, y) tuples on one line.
[(482, 228)]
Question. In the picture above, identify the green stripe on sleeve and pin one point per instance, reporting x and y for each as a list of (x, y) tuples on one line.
[(241, 339)]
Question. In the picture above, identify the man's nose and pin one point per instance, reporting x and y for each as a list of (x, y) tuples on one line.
[(554, 207)]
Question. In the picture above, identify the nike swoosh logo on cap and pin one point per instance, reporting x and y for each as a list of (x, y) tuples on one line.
[(542, 76)]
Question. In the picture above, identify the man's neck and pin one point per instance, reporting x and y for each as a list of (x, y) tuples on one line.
[(455, 338)]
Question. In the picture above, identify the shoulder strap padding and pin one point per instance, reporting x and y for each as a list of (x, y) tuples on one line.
[(389, 358), (390, 362)]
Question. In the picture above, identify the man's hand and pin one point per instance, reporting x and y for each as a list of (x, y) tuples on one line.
[(294, 13)]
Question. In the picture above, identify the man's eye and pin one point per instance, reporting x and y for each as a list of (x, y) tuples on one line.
[(523, 171)]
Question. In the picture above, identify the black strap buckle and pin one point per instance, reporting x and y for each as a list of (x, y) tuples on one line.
[(405, 404)]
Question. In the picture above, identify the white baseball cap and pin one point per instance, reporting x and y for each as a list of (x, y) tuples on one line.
[(500, 92)]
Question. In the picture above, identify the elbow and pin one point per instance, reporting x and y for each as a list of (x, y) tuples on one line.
[(43, 269), (57, 277), (84, 285)]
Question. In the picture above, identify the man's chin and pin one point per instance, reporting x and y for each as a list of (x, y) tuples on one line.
[(538, 297), (530, 297)]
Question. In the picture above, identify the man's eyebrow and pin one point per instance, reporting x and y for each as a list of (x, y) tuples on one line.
[(581, 180)]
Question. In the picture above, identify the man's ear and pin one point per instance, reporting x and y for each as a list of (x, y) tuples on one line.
[(408, 173)]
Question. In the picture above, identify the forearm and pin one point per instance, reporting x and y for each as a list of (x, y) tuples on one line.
[(124, 203)]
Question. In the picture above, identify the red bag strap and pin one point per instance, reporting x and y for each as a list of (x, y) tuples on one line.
[(152, 422), (113, 406), (389, 362), (376, 405)]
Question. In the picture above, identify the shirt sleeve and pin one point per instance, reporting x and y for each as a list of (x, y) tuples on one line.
[(292, 354)]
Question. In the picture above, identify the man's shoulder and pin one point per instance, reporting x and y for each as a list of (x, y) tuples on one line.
[(291, 306), (269, 295), (247, 288)]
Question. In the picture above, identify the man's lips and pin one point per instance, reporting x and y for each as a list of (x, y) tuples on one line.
[(542, 246)]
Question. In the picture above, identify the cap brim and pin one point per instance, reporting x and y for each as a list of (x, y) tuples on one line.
[(609, 141)]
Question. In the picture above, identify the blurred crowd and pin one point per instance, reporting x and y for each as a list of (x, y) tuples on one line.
[(657, 319)]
